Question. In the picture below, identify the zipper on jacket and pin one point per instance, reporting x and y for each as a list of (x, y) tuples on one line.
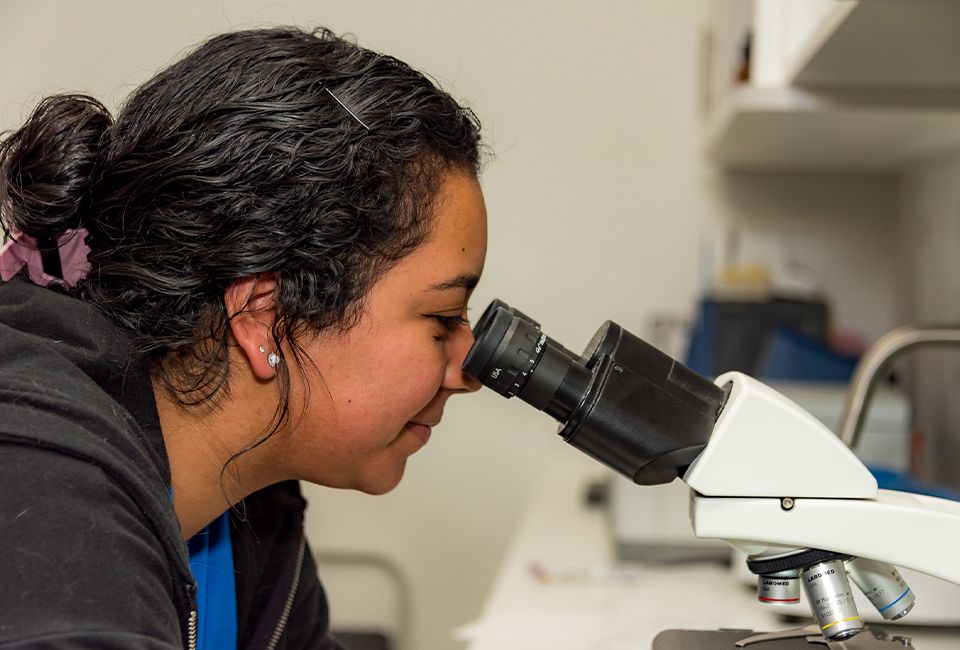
[(288, 606), (192, 631)]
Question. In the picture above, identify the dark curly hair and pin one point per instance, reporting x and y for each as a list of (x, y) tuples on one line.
[(277, 151)]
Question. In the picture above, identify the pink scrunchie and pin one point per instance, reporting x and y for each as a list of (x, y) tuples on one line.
[(22, 250)]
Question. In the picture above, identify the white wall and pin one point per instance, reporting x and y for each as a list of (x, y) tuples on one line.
[(843, 227), (598, 201), (929, 229)]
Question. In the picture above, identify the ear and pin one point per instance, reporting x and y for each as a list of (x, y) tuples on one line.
[(252, 307)]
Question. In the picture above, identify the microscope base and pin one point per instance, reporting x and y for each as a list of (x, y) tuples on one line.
[(868, 639)]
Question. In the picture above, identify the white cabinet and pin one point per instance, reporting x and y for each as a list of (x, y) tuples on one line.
[(891, 44), (784, 33), (868, 85)]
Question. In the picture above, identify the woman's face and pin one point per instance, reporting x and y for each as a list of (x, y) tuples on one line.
[(385, 381)]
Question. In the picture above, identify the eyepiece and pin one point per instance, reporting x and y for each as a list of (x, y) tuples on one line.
[(513, 357), (488, 359), (622, 402)]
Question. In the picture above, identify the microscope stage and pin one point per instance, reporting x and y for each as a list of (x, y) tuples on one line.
[(868, 639)]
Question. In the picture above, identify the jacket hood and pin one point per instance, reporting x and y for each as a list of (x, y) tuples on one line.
[(68, 382)]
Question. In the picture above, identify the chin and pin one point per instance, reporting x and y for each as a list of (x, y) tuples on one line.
[(381, 482)]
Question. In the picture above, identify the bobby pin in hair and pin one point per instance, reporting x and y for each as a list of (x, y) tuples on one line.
[(352, 114)]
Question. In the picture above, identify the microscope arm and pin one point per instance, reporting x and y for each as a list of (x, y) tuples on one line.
[(906, 530), (771, 475)]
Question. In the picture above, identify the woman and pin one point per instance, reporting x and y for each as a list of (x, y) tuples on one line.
[(257, 274)]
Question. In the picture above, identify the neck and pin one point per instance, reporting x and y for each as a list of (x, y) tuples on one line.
[(202, 445)]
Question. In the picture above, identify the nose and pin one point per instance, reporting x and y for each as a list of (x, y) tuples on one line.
[(454, 378)]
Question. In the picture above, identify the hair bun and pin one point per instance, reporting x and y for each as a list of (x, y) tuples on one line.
[(46, 165)]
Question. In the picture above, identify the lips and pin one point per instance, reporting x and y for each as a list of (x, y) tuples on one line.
[(420, 430)]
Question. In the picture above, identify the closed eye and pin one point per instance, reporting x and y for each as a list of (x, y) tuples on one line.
[(450, 323)]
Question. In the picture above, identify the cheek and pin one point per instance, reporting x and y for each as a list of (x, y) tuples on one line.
[(398, 382), (419, 376), (374, 384)]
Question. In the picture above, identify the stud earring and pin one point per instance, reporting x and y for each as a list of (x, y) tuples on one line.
[(273, 360), (262, 349)]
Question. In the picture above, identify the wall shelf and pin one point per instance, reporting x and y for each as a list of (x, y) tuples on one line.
[(905, 44), (794, 129), (874, 88)]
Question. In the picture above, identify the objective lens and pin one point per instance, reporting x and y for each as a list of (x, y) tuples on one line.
[(831, 600), (882, 584), (781, 588)]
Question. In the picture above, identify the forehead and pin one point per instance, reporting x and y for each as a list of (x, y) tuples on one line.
[(457, 242), (440, 272), (460, 216)]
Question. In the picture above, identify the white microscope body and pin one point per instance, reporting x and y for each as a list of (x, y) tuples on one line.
[(775, 483)]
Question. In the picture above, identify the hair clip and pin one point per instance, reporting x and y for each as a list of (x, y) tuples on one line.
[(61, 260), (352, 114)]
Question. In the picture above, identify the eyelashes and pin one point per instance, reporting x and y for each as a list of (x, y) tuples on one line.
[(450, 323)]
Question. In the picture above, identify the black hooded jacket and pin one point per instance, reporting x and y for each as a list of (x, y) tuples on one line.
[(90, 547)]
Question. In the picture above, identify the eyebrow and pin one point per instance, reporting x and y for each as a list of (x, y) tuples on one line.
[(463, 281)]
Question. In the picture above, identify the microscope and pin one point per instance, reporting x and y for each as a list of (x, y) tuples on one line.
[(764, 475)]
